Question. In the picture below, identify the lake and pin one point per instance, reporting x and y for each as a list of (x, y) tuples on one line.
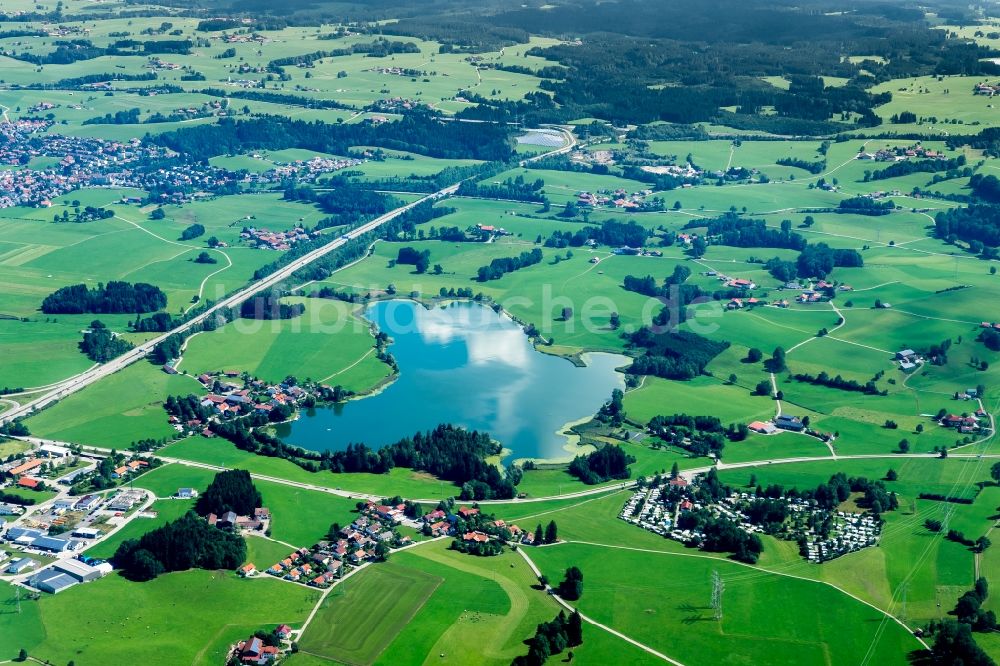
[(464, 364)]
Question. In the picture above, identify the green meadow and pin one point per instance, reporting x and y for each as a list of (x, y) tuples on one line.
[(329, 342), (180, 617)]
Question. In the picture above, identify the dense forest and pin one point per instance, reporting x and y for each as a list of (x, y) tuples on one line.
[(269, 306), (640, 62), (448, 452), (418, 132), (673, 354), (101, 345), (186, 543), (112, 298), (230, 490), (978, 222), (606, 463), (731, 229)]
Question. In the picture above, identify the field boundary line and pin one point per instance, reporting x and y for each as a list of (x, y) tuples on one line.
[(562, 602)]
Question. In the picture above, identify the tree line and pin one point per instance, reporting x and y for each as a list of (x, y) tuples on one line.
[(419, 131), (673, 354), (230, 490), (606, 463), (503, 265), (101, 345)]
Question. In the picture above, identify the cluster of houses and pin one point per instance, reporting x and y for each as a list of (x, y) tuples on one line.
[(132, 468), (94, 162), (397, 71), (898, 154), (986, 88), (242, 37), (258, 522), (157, 63), (29, 471), (228, 399), (366, 539), (966, 423), (308, 170), (687, 171), (394, 105), (619, 198), (822, 534), (275, 240), (318, 569)]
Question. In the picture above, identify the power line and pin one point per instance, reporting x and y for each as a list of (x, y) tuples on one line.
[(718, 586)]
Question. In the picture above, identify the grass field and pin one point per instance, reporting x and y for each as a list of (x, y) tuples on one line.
[(178, 618), (328, 343), (356, 624), (113, 413), (667, 608)]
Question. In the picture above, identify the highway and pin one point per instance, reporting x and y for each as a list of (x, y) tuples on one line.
[(81, 381)]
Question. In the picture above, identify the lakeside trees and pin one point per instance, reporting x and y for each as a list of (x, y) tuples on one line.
[(674, 354)]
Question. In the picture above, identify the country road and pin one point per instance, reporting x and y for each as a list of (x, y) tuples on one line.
[(81, 381), (607, 488)]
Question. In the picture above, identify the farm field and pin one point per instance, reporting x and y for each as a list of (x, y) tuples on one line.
[(615, 597), (329, 343), (113, 413), (186, 616)]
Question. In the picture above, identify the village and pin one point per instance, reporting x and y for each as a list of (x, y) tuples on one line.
[(227, 399), (822, 534), (91, 162)]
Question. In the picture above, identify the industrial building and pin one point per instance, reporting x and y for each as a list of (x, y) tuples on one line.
[(51, 581)]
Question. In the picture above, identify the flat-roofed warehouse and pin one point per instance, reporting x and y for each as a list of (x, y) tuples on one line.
[(83, 573), (51, 581)]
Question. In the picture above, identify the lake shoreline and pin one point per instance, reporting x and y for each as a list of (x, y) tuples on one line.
[(455, 363)]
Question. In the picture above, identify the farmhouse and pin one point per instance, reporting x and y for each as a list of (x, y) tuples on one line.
[(792, 423), (766, 428), (253, 651)]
